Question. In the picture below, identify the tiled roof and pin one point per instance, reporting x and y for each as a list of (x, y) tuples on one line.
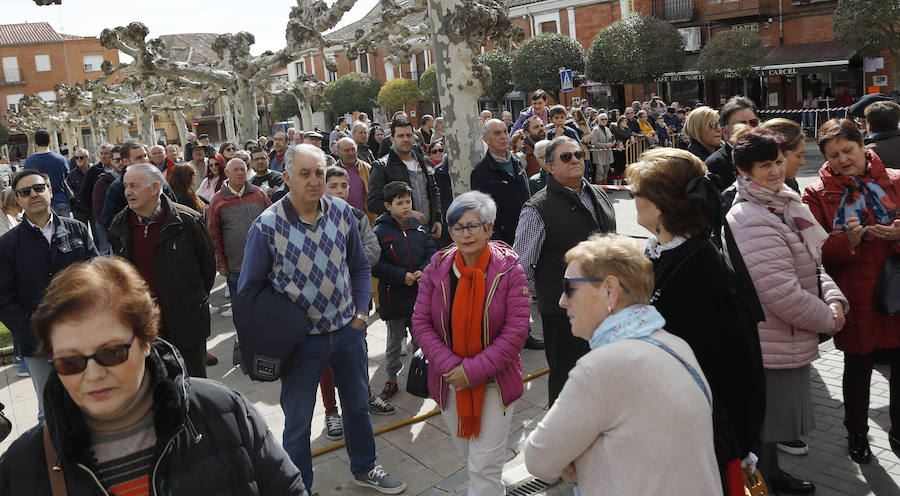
[(348, 32), (191, 47), (31, 33)]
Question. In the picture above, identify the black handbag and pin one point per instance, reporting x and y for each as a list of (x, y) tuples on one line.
[(5, 424), (417, 381), (887, 291)]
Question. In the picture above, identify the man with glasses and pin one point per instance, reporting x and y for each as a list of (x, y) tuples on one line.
[(171, 247), (738, 110), (31, 253), (553, 221), (279, 146), (86, 193), (271, 182), (633, 123), (75, 179), (538, 107)]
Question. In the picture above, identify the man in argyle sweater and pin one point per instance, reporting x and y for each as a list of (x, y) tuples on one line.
[(307, 246)]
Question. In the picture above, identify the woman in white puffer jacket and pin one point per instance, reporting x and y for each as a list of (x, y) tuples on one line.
[(781, 243)]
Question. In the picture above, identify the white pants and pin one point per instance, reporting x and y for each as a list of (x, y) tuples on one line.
[(485, 454)]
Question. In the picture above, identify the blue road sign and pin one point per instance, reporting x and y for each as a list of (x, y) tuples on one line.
[(565, 77)]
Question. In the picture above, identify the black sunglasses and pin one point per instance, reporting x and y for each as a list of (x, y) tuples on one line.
[(229, 149), (107, 357), (751, 122), (26, 192), (79, 157), (567, 286), (437, 150), (566, 156)]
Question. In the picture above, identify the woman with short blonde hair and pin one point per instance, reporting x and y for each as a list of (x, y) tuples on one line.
[(703, 128)]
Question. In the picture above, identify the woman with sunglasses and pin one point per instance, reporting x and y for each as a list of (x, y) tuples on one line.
[(227, 150), (215, 176), (637, 404), (471, 321), (703, 128), (781, 242), (856, 201), (678, 203), (437, 157), (122, 414), (602, 144)]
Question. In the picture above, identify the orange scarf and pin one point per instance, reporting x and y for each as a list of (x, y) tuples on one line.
[(466, 317)]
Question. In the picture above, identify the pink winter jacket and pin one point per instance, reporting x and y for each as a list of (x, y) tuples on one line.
[(784, 274), (507, 320)]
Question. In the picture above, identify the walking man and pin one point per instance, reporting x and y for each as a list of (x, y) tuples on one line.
[(55, 167)]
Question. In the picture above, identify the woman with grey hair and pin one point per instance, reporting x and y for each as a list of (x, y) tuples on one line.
[(602, 144), (471, 321)]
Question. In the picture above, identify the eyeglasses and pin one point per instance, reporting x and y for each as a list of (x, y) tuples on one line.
[(26, 192), (437, 150), (566, 156), (568, 289), (230, 149), (117, 159), (470, 228), (713, 124), (107, 357), (751, 122), (77, 157)]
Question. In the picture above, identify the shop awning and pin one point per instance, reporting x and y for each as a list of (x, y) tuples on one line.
[(808, 55), (688, 70)]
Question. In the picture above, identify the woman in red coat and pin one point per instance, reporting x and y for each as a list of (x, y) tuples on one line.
[(856, 199)]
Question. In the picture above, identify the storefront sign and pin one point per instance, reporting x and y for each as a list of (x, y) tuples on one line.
[(788, 71), (680, 77)]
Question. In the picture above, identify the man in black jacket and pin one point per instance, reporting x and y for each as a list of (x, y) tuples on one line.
[(738, 110), (31, 253), (882, 119), (403, 164), (171, 247), (553, 221), (502, 175), (87, 191)]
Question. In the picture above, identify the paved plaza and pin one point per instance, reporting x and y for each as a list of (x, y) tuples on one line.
[(422, 453)]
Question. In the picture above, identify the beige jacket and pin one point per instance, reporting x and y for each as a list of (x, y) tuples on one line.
[(633, 420)]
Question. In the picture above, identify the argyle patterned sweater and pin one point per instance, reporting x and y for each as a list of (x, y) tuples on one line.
[(322, 268)]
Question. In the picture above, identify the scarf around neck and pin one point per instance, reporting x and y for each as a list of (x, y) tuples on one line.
[(787, 204), (466, 325), (636, 321), (866, 199)]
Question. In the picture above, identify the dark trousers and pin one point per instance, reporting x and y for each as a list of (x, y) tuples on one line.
[(194, 358), (857, 377), (562, 349)]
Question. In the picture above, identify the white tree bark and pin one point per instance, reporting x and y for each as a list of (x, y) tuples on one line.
[(229, 120), (180, 120), (245, 111), (30, 136)]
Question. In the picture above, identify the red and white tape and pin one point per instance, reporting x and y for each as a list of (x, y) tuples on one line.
[(798, 111)]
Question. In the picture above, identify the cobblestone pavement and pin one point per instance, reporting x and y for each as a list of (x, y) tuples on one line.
[(424, 456)]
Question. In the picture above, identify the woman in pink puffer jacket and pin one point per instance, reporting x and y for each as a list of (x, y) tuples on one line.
[(474, 368), (781, 243)]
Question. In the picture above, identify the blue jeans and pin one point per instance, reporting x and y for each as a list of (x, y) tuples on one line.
[(40, 371), (100, 238), (61, 209), (345, 352), (231, 279), (809, 118)]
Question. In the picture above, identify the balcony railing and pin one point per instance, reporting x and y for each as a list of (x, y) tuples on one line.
[(673, 10)]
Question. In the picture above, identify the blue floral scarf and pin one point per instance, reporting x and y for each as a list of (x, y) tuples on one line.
[(636, 321)]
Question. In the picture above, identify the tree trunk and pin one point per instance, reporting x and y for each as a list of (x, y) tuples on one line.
[(305, 113), (54, 139), (458, 91), (179, 118), (245, 111), (72, 136), (229, 120), (145, 128), (30, 136)]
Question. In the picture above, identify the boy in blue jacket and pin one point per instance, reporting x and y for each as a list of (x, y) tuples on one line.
[(406, 249)]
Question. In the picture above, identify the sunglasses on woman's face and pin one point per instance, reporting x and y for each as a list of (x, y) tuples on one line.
[(229, 149), (713, 125), (107, 357), (437, 150), (569, 289)]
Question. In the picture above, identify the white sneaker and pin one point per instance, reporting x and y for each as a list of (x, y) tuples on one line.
[(227, 312), (404, 348)]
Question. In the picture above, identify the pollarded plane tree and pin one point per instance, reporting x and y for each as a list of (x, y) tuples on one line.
[(455, 30), (307, 90), (238, 73)]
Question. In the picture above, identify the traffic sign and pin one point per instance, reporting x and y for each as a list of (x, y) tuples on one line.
[(565, 78)]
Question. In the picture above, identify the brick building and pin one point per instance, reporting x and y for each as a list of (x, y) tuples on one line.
[(35, 58)]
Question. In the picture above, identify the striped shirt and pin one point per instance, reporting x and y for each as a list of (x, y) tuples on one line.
[(124, 459)]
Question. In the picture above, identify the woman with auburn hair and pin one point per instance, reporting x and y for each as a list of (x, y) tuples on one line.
[(678, 203), (183, 187), (122, 415), (856, 201)]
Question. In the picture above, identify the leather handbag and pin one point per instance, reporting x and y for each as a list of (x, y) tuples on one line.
[(54, 470), (417, 381), (754, 485), (887, 291), (5, 424)]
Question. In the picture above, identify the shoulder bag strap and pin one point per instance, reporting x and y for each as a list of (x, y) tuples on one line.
[(689, 367), (54, 471)]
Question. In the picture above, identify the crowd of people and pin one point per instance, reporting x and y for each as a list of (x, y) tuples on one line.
[(106, 272)]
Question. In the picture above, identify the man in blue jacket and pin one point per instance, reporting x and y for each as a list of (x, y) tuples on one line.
[(306, 251), (55, 167), (31, 253)]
